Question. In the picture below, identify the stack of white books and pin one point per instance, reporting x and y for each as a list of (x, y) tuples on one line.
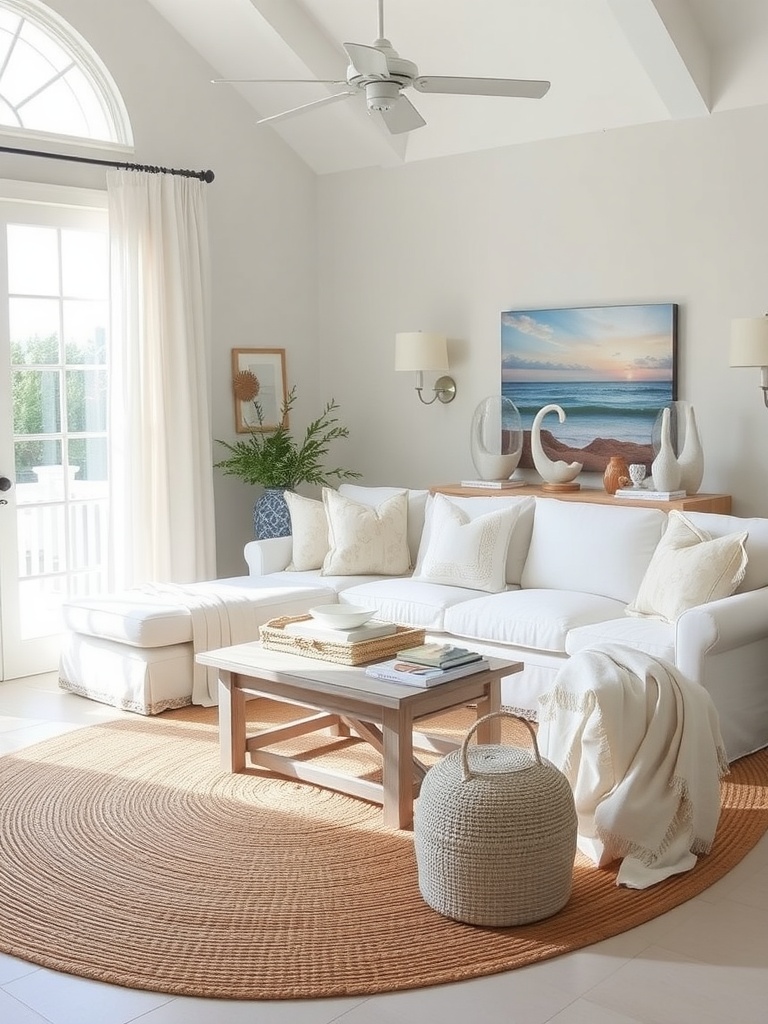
[(643, 494), (493, 485)]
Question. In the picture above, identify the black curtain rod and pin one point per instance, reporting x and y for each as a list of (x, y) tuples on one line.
[(206, 176)]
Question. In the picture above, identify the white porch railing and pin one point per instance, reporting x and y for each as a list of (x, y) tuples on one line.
[(63, 537)]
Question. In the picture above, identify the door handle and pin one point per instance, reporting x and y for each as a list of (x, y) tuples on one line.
[(5, 485)]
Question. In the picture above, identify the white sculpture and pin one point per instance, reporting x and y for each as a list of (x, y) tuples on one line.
[(553, 473), (665, 468), (691, 458), (496, 438)]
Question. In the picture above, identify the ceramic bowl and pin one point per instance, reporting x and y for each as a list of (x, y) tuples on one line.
[(341, 616)]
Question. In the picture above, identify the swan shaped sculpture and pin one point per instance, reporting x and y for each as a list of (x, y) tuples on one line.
[(555, 474)]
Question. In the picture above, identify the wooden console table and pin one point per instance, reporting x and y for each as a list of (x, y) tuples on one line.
[(693, 503)]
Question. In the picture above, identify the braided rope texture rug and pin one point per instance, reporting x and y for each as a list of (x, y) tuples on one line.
[(128, 856)]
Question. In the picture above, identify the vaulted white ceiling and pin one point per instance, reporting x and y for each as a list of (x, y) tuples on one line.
[(612, 63)]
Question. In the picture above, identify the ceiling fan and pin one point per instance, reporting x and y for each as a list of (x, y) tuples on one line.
[(382, 74)]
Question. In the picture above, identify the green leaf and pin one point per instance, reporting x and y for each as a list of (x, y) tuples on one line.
[(276, 459)]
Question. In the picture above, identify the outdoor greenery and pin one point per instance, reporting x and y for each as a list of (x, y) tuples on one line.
[(36, 390), (276, 459)]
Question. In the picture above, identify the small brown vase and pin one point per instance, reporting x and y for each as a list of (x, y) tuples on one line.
[(616, 474)]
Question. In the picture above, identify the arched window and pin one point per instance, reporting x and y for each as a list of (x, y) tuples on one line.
[(52, 82)]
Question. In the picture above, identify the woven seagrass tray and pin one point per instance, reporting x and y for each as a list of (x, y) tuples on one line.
[(274, 638)]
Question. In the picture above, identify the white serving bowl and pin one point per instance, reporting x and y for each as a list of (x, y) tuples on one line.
[(341, 616)]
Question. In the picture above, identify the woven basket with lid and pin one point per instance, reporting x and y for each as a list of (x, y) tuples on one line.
[(495, 834)]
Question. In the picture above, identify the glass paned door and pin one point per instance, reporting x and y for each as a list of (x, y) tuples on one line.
[(53, 437)]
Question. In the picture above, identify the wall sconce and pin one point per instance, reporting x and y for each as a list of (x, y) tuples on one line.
[(418, 351), (749, 346)]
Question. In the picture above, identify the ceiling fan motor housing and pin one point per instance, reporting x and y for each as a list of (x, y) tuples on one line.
[(382, 93)]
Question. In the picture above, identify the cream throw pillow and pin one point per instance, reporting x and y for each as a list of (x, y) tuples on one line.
[(465, 552), (689, 568), (366, 540), (309, 529)]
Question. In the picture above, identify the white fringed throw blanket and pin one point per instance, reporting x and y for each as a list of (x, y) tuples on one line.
[(221, 616), (642, 750)]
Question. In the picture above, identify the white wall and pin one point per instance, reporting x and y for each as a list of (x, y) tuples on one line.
[(261, 210), (331, 268), (674, 212)]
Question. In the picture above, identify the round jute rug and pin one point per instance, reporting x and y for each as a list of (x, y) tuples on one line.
[(128, 856)]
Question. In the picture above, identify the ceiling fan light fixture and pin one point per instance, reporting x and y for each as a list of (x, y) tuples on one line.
[(382, 95)]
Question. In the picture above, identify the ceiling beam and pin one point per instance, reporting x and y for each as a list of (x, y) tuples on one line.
[(671, 49)]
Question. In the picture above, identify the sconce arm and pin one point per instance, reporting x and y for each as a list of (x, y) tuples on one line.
[(445, 391)]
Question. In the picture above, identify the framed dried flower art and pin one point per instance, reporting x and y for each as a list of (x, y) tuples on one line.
[(259, 389)]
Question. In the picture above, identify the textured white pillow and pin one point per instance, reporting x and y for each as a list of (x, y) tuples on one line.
[(417, 501), (309, 530), (475, 506), (466, 552), (689, 568), (366, 540)]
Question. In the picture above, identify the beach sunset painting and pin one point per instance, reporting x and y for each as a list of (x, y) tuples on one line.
[(610, 368)]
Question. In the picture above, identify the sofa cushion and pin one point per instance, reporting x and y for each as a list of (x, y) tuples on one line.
[(366, 539), (309, 532), (653, 636), (144, 619), (479, 506), (538, 619), (689, 568), (595, 549), (465, 552), (717, 525), (417, 500), (409, 602)]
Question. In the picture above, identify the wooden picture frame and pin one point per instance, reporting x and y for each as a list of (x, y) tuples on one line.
[(267, 365)]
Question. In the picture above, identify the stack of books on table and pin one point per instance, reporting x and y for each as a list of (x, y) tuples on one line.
[(428, 665), (644, 494), (493, 485)]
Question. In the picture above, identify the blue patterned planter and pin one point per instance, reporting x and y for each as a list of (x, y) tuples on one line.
[(271, 517)]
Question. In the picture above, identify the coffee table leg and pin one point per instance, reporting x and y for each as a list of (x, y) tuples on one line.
[(490, 732), (231, 723), (397, 773)]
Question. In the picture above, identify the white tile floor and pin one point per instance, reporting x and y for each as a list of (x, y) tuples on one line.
[(704, 963)]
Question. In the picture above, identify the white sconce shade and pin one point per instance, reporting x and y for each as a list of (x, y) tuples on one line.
[(416, 351), (749, 341), (749, 346)]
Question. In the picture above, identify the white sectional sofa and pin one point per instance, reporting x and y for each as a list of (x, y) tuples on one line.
[(525, 578)]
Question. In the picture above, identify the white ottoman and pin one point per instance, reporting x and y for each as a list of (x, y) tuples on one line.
[(136, 650)]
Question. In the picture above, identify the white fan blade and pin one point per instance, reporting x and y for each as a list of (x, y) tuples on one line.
[(367, 60), (279, 81), (402, 117), (521, 87), (305, 106)]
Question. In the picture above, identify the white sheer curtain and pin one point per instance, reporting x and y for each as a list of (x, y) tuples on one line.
[(161, 502)]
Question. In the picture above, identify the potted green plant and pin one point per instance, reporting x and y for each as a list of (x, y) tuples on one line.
[(279, 462)]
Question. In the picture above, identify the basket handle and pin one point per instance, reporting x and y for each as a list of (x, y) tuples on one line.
[(466, 771)]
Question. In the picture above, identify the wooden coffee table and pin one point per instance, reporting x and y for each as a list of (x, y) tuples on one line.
[(343, 699)]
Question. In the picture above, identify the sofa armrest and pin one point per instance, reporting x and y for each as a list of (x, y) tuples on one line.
[(266, 556), (720, 626)]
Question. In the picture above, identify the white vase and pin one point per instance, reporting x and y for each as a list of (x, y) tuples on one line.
[(496, 438), (665, 469), (691, 458)]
